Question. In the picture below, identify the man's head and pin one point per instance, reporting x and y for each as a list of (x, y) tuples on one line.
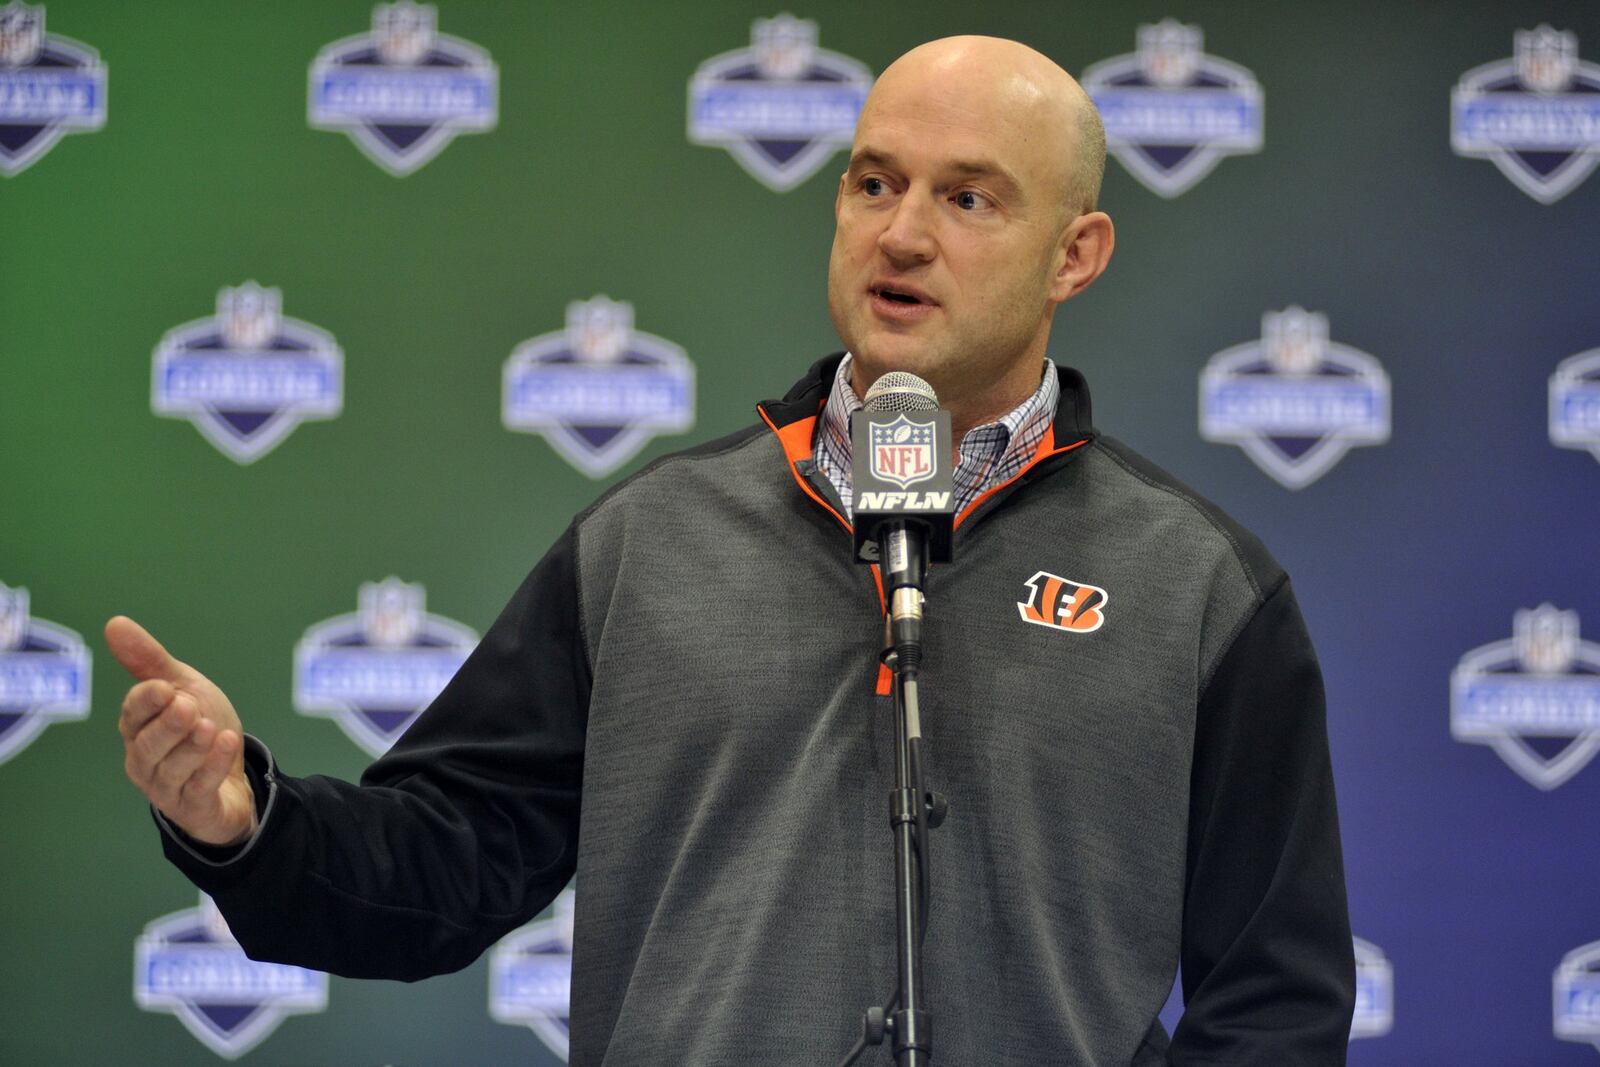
[(966, 215)]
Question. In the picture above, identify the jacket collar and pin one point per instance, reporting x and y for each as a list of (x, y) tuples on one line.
[(1074, 420)]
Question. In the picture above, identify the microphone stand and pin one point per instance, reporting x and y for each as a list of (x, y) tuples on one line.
[(913, 811)]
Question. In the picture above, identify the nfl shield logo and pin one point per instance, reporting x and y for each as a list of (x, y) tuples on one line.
[(373, 672), (530, 976), (1171, 112), (187, 964), (780, 107), (49, 86), (1577, 995), (247, 377), (1294, 401), (1536, 116), (404, 91), (44, 673), (902, 452), (1374, 1013), (1575, 402), (1534, 699), (599, 390)]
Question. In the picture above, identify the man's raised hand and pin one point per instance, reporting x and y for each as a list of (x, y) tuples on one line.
[(183, 741)]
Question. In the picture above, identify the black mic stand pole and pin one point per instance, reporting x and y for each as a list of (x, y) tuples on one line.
[(903, 559), (902, 532)]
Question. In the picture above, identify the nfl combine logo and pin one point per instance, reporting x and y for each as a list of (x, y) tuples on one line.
[(902, 452), (1171, 112), (49, 86), (44, 673), (373, 672), (403, 91), (1534, 699), (1294, 401), (530, 976), (598, 390), (1575, 402), (188, 964), (1374, 1014), (780, 107), (1577, 995), (248, 376), (1536, 116)]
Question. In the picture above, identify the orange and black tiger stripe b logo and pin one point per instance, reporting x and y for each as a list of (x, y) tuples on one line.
[(1063, 604)]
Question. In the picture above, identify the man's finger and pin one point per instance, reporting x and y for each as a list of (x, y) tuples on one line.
[(143, 702), (140, 654), (160, 736), (213, 769), (171, 776)]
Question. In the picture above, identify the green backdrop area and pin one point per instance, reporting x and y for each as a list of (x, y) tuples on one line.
[(206, 175)]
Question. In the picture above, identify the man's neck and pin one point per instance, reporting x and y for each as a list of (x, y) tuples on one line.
[(968, 409)]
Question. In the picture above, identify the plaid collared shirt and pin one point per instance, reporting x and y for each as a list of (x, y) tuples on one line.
[(990, 454)]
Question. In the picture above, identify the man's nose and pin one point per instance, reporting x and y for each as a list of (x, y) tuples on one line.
[(909, 237)]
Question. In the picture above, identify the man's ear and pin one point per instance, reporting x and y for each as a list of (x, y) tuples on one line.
[(838, 198), (1084, 252)]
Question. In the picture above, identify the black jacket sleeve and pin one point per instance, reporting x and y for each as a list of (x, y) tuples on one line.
[(464, 830), (1267, 960)]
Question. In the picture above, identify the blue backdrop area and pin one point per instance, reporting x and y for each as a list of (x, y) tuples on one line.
[(182, 151)]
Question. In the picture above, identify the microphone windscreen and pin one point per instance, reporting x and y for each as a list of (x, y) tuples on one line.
[(900, 391), (900, 467)]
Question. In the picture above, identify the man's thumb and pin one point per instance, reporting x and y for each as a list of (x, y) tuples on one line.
[(140, 654)]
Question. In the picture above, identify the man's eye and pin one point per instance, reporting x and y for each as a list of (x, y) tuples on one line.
[(967, 200), (873, 186)]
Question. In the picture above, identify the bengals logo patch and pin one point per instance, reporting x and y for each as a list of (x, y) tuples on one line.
[(1063, 604)]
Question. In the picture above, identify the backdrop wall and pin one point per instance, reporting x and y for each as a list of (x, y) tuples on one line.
[(232, 463)]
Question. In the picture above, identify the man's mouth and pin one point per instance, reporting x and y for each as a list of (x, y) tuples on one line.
[(898, 296)]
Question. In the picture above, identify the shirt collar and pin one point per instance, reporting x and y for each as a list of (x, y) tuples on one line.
[(989, 453)]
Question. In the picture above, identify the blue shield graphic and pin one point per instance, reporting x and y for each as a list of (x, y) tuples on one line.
[(248, 376), (1171, 112), (187, 964), (44, 673), (1294, 401), (780, 107), (1575, 402), (1577, 995), (375, 671), (1535, 116), (50, 86), (599, 390), (1534, 699), (1374, 1012), (530, 976), (404, 91)]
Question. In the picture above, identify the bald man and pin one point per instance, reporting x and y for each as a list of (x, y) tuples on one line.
[(966, 216), (1120, 697)]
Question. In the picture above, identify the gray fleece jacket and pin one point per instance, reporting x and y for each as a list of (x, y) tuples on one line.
[(682, 706)]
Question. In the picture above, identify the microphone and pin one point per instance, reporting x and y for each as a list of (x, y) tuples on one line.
[(904, 496)]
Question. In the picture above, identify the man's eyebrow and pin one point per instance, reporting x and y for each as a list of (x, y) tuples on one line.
[(871, 157), (966, 168), (982, 168)]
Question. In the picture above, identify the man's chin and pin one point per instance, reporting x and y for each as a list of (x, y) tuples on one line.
[(872, 362)]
